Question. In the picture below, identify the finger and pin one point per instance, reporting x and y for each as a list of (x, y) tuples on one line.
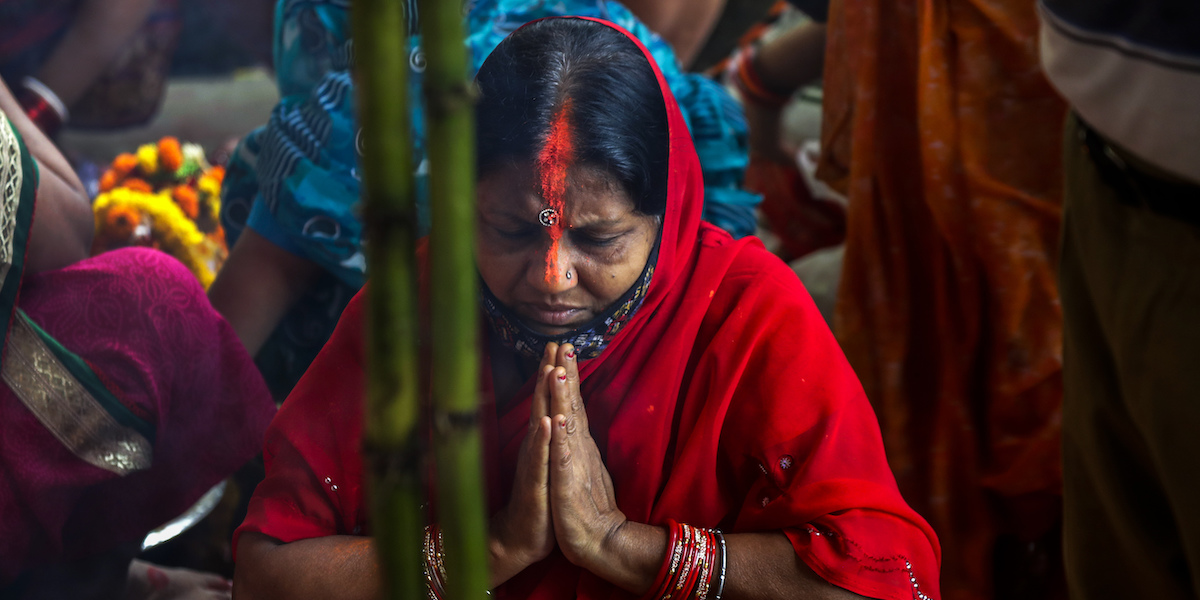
[(540, 407), (569, 360), (560, 399), (562, 473), (218, 583)]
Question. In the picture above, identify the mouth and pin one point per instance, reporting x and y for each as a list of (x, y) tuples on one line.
[(553, 316)]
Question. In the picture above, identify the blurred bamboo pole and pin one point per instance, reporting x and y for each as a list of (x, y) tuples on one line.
[(391, 436), (457, 440)]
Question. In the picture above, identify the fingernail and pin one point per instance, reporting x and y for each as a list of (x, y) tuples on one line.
[(562, 423), (571, 354), (562, 377)]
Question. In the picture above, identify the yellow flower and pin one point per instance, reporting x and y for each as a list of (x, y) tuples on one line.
[(147, 155), (169, 228), (209, 185)]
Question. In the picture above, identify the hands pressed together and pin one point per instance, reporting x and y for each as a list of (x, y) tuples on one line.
[(562, 493)]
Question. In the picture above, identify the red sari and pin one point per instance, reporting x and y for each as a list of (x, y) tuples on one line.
[(725, 402)]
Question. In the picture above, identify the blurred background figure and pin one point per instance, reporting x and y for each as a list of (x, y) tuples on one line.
[(942, 131), (97, 63), (126, 396), (1130, 281), (767, 74)]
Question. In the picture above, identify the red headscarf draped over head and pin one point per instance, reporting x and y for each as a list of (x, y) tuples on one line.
[(724, 402)]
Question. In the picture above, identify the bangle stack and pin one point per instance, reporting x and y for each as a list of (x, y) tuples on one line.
[(42, 106), (750, 83), (695, 559), (435, 563)]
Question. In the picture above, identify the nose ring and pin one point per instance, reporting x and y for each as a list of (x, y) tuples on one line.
[(548, 217), (568, 274)]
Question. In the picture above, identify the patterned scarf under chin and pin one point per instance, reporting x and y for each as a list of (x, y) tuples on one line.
[(589, 339)]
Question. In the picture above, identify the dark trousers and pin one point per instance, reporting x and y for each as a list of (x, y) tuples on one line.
[(1130, 289)]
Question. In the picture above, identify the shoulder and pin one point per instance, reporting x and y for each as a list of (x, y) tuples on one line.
[(758, 281)]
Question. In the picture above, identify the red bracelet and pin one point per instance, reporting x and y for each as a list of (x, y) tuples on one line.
[(42, 106), (670, 562)]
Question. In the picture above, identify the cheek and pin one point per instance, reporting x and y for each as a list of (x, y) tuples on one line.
[(500, 270), (607, 282)]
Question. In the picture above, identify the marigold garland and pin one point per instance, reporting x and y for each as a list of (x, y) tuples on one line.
[(165, 196)]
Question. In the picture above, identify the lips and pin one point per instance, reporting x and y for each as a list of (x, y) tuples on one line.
[(553, 315)]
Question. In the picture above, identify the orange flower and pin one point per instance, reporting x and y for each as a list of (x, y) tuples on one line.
[(188, 200), (120, 222), (109, 180), (217, 172), (170, 154), (138, 185), (124, 164)]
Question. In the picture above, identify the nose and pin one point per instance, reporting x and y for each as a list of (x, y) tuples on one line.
[(553, 273)]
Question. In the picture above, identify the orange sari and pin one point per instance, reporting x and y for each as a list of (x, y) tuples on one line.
[(943, 133)]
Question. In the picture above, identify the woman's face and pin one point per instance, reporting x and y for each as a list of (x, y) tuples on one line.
[(603, 246)]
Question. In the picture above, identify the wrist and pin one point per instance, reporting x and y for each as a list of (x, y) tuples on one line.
[(507, 554), (629, 555)]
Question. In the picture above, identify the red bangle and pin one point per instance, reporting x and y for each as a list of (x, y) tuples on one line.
[(42, 106), (666, 573)]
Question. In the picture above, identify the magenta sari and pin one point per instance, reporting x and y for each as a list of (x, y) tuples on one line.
[(125, 395)]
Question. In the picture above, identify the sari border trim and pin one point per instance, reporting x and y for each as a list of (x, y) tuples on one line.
[(64, 405), (18, 191)]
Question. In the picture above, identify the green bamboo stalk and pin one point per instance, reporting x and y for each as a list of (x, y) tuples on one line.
[(391, 436), (457, 441)]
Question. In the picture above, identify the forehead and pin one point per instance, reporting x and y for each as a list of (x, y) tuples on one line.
[(590, 192)]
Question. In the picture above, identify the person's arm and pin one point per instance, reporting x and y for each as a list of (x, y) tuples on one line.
[(347, 566), (63, 224), (257, 285), (594, 534), (341, 566), (684, 24), (784, 65), (99, 31)]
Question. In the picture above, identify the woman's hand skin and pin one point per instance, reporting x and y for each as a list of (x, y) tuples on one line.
[(584, 503), (522, 532)]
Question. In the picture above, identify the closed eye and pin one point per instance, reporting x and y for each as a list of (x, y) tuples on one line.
[(596, 240)]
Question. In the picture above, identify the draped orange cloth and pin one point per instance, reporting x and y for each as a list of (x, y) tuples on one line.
[(942, 131)]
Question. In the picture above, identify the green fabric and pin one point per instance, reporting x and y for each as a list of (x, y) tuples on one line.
[(1130, 289)]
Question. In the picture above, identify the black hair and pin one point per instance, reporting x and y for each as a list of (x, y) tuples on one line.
[(618, 116)]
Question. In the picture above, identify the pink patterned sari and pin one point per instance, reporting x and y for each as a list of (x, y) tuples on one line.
[(125, 395)]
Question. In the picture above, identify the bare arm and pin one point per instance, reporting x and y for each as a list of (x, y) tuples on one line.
[(330, 567), (685, 24), (785, 64), (257, 286), (761, 565), (100, 29), (336, 566), (63, 224)]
